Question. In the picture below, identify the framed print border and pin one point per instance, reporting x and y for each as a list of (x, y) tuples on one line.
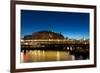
[(13, 35)]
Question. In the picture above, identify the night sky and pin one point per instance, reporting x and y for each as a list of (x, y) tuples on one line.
[(70, 24)]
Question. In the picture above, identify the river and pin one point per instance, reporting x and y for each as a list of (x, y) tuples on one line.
[(47, 55)]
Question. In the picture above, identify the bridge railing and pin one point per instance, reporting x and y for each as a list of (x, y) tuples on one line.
[(35, 42)]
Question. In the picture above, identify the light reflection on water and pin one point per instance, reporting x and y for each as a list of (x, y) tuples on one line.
[(45, 55)]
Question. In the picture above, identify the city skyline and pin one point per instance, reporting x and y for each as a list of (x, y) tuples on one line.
[(70, 24)]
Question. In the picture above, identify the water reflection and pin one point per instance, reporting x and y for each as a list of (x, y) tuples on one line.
[(45, 55), (48, 55)]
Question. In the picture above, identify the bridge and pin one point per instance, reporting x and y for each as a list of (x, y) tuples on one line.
[(59, 44)]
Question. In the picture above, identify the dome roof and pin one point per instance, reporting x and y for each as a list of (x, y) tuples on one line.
[(47, 35)]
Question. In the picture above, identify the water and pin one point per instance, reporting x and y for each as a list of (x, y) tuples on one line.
[(45, 55), (50, 55)]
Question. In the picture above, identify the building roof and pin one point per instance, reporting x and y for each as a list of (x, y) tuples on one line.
[(45, 35)]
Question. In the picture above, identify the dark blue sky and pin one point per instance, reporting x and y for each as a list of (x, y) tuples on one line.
[(70, 24)]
